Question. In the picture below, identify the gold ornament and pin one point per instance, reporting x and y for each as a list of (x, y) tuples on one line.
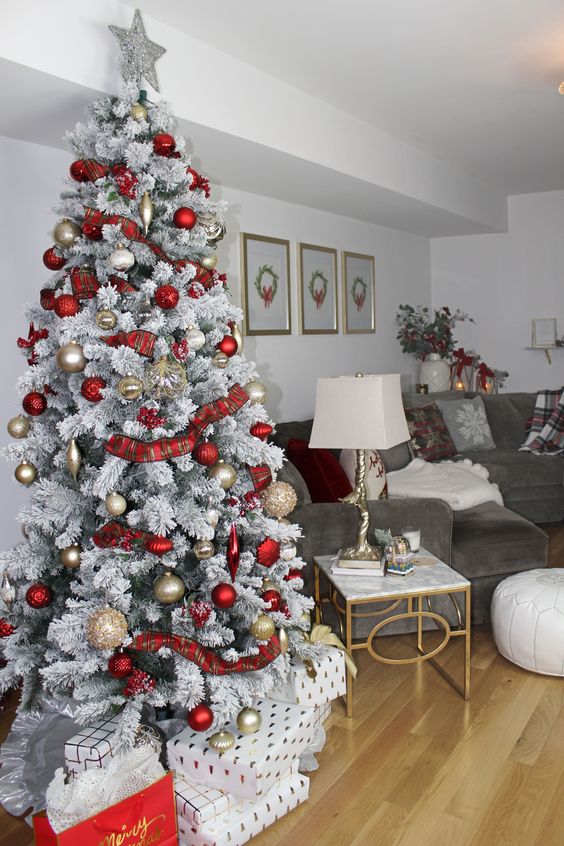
[(169, 588), (138, 112), (249, 720), (268, 584), (225, 474), (283, 640), (130, 387), (105, 319), (220, 360), (7, 591), (26, 473), (18, 427), (106, 628), (70, 358), (256, 392), (115, 504), (70, 556), (195, 338), (288, 550), (66, 232), (203, 549), (165, 379), (213, 226), (209, 262), (279, 499), (221, 741), (262, 628), (236, 334), (74, 458), (146, 210), (148, 736), (121, 258)]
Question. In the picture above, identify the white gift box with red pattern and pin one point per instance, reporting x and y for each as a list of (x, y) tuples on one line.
[(92, 747), (241, 820), (256, 761), (315, 683)]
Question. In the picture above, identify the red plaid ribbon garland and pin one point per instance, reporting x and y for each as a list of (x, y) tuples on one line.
[(85, 285), (113, 535), (122, 286), (260, 475), (143, 452), (47, 299), (130, 229), (140, 340), (206, 659), (93, 169)]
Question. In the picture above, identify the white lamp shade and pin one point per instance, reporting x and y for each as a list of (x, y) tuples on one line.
[(359, 412)]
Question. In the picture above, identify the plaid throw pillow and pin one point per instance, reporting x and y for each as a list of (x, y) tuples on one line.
[(430, 438)]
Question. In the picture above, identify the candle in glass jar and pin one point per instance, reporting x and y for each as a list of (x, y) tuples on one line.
[(413, 537)]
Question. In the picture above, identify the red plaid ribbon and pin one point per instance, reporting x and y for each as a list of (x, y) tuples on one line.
[(113, 535), (85, 285), (143, 452), (462, 360), (206, 659), (140, 340), (93, 169), (130, 229), (260, 475), (29, 343)]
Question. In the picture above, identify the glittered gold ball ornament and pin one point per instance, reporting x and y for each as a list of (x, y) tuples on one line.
[(115, 504), (195, 338), (70, 556), (26, 473), (70, 358), (138, 112), (165, 378), (121, 258), (209, 262), (18, 427), (225, 474), (105, 319), (279, 499), (221, 741), (256, 392), (262, 628), (220, 360), (249, 720), (130, 387), (283, 640), (203, 549), (288, 550), (66, 232), (169, 588), (106, 628)]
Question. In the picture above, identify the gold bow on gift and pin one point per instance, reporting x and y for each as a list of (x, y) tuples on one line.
[(323, 634)]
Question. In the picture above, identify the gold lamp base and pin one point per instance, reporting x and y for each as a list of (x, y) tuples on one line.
[(362, 554)]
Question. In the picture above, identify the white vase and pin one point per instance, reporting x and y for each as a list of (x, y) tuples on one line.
[(435, 372)]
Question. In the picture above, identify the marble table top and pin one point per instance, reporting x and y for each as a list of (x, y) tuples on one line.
[(425, 578)]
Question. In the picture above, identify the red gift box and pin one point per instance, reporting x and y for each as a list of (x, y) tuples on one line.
[(147, 817)]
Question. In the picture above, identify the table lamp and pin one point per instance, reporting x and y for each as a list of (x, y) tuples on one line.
[(359, 412)]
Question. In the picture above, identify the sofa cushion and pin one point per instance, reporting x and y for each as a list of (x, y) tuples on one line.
[(325, 478), (508, 415), (430, 439), (512, 469), (467, 423)]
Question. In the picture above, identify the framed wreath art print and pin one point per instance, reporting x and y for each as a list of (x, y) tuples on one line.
[(358, 292), (266, 285), (318, 290)]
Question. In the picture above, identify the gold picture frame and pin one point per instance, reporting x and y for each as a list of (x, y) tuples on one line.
[(544, 332), (265, 285), (318, 300), (358, 293)]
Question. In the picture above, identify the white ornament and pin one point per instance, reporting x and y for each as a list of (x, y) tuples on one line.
[(121, 258), (288, 551), (195, 338), (7, 591)]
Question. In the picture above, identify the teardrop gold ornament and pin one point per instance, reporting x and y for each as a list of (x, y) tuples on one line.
[(283, 640), (236, 333), (146, 210), (74, 458), (221, 741)]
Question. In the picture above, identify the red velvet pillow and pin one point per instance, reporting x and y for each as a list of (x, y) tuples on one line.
[(325, 478)]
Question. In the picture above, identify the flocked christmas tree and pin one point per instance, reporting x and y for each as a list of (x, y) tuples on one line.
[(157, 565)]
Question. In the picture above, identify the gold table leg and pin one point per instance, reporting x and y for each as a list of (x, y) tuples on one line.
[(349, 645)]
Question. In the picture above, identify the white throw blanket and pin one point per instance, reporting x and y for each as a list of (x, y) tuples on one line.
[(461, 484)]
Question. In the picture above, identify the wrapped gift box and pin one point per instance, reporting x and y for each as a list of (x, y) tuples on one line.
[(322, 713), (330, 681), (243, 819), (257, 761), (91, 747)]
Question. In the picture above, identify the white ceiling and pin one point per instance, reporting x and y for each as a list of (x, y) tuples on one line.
[(471, 82)]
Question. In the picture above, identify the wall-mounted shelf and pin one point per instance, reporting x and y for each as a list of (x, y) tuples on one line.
[(547, 351)]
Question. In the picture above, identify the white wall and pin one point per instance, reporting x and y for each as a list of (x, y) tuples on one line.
[(289, 365), (504, 281)]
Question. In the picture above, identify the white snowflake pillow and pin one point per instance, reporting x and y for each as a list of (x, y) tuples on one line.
[(467, 424)]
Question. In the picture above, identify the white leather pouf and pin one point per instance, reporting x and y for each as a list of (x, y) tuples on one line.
[(528, 620)]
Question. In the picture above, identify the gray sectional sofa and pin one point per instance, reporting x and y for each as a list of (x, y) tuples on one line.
[(485, 543)]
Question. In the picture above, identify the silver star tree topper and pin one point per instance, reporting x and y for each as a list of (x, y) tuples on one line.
[(138, 53)]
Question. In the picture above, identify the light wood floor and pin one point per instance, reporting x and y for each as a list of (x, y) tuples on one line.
[(418, 766)]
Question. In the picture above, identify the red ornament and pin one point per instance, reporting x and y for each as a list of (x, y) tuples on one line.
[(47, 299), (167, 296), (184, 218), (39, 595), (273, 598), (159, 545), (78, 172), (149, 418), (180, 349), (6, 628), (268, 552), (206, 453), (228, 345), (200, 611), (224, 595), (233, 552), (66, 306), (293, 574), (92, 232), (52, 260), (164, 144), (91, 388), (200, 718), (120, 665), (34, 403), (261, 431), (126, 181), (197, 181), (139, 682)]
